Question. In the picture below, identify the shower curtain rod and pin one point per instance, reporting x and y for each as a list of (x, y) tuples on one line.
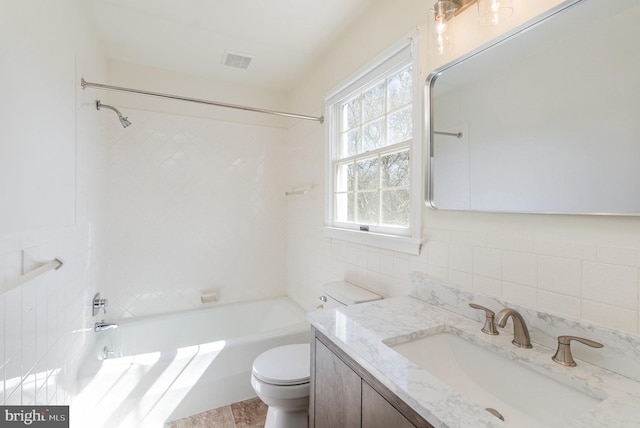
[(86, 85)]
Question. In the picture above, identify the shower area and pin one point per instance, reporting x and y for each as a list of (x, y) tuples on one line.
[(195, 264), (196, 208)]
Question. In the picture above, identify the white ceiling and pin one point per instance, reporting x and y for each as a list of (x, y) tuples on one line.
[(190, 36)]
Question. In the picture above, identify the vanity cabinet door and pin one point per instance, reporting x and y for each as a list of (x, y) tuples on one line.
[(345, 395), (378, 412), (337, 392)]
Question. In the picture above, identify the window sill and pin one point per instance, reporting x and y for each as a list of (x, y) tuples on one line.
[(401, 244)]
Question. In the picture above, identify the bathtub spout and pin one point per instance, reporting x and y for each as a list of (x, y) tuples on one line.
[(103, 325)]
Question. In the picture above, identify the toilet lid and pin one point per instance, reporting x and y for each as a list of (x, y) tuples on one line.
[(284, 365)]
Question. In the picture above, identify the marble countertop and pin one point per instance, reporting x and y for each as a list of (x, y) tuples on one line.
[(359, 330)]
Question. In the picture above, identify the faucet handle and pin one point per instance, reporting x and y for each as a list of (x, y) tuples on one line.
[(489, 324), (563, 353), (99, 303)]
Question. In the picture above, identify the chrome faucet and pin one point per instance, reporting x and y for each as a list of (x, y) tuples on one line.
[(106, 353), (520, 332), (103, 325), (98, 303)]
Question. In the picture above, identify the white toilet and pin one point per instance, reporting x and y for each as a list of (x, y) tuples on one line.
[(280, 376)]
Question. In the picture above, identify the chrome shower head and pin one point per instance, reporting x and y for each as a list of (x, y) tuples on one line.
[(123, 120)]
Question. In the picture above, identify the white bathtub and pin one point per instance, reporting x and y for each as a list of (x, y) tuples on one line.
[(167, 367)]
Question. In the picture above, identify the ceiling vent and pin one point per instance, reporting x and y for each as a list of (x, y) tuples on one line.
[(236, 60)]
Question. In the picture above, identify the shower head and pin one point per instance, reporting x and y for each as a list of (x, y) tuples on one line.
[(123, 120)]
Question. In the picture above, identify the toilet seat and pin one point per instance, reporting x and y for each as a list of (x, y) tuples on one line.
[(284, 365)]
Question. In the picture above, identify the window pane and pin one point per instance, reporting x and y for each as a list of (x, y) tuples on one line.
[(345, 208), (371, 180), (373, 103), (373, 136), (368, 174), (395, 207), (395, 169), (368, 205), (345, 177), (399, 89), (349, 143), (400, 126), (351, 114)]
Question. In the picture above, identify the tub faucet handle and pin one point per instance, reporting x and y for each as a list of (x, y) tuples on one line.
[(104, 325), (563, 353), (98, 304), (489, 321)]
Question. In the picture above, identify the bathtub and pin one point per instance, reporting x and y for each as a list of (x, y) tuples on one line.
[(156, 369)]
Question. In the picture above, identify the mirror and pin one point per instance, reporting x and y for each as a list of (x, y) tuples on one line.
[(549, 117)]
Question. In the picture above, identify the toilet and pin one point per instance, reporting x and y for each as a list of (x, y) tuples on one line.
[(280, 376)]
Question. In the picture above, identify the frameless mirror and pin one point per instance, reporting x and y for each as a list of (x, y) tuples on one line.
[(546, 120)]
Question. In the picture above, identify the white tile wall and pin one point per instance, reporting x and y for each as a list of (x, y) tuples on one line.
[(592, 281), (45, 324), (193, 204), (552, 278)]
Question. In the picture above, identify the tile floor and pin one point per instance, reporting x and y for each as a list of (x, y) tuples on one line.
[(245, 414)]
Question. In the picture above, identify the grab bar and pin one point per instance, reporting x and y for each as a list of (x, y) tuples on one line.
[(43, 268)]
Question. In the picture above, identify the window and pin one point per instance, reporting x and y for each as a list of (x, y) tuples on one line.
[(374, 166)]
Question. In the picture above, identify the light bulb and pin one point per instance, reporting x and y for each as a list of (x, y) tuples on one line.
[(440, 33), (493, 12), (441, 26), (442, 38)]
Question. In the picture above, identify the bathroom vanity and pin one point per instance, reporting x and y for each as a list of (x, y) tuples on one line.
[(365, 370), (344, 394)]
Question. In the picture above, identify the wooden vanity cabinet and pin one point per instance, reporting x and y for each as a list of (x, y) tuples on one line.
[(344, 395)]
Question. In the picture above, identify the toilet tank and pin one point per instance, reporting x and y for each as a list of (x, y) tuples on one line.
[(343, 293)]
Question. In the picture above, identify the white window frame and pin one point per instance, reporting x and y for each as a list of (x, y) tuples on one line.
[(406, 240)]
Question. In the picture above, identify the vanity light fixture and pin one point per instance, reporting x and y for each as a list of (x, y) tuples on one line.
[(491, 12)]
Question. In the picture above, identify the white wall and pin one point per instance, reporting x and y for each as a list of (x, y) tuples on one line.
[(193, 205), (581, 267), (52, 138)]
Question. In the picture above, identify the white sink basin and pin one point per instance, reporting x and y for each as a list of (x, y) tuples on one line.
[(524, 397)]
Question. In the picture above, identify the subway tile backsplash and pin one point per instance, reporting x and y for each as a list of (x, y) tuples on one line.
[(598, 283), (620, 353)]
